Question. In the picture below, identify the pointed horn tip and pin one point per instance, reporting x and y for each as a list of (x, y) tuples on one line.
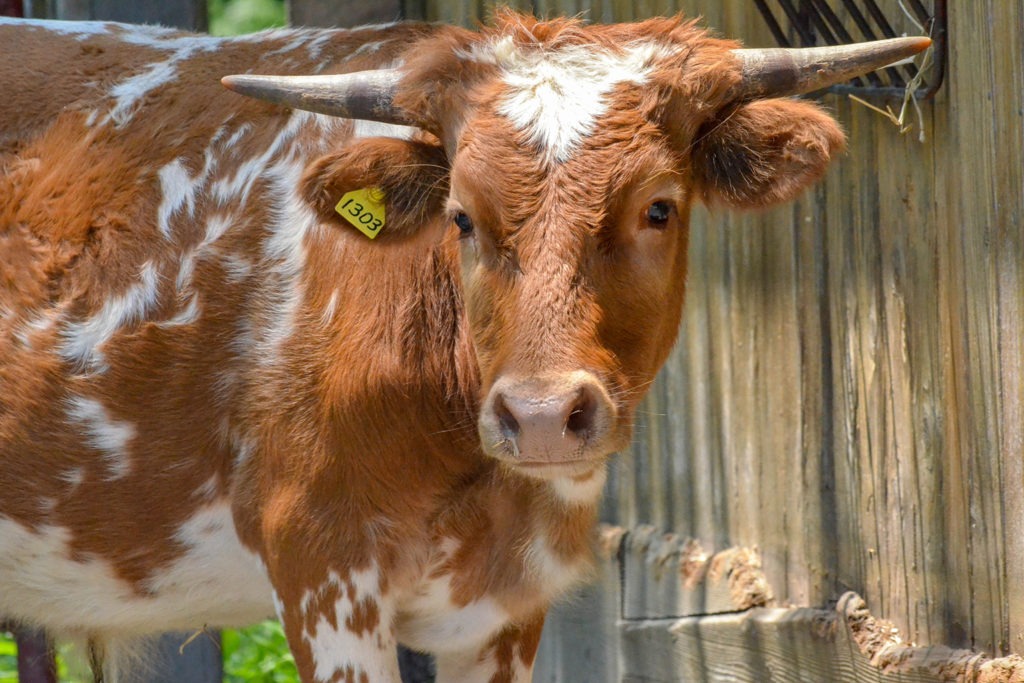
[(233, 82), (915, 44)]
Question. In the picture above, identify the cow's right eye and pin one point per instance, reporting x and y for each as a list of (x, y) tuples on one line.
[(464, 222)]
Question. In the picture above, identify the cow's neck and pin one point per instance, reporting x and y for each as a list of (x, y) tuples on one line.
[(413, 404)]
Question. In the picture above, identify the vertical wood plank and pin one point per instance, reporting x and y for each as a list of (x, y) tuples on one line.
[(189, 14), (344, 14)]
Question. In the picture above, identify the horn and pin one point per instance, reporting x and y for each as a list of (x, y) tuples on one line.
[(779, 72), (365, 95)]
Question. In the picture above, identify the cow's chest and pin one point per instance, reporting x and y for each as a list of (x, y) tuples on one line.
[(438, 615), (214, 580)]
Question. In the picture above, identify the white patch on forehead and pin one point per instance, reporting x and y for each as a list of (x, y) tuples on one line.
[(104, 433), (82, 341), (555, 96), (575, 492), (335, 649)]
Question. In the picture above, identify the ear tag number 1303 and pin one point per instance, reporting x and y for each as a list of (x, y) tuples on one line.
[(363, 209)]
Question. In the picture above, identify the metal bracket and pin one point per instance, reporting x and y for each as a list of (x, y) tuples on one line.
[(805, 23)]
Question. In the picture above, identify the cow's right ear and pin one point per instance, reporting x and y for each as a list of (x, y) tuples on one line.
[(764, 152), (410, 175)]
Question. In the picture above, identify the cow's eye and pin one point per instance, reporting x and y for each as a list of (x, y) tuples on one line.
[(464, 222), (658, 213)]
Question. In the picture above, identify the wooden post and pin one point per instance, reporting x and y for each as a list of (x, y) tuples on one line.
[(351, 13), (12, 8), (35, 656), (188, 14)]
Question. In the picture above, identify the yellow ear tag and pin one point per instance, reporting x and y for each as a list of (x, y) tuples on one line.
[(364, 209)]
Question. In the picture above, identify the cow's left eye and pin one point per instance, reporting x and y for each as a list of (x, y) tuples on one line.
[(464, 222), (658, 213)]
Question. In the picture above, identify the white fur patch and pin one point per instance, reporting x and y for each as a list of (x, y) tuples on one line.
[(178, 190), (375, 129), (335, 649), (127, 94), (556, 96), (82, 341), (552, 573), (217, 581), (429, 619), (104, 433), (82, 29), (586, 492)]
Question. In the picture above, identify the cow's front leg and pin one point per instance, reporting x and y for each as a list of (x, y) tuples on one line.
[(340, 628), (505, 658)]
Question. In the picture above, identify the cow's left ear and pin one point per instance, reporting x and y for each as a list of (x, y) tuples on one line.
[(764, 152), (410, 176)]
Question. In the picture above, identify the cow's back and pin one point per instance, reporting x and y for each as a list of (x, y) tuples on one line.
[(144, 250)]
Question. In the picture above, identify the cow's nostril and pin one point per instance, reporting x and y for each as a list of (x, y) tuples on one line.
[(509, 423), (581, 416)]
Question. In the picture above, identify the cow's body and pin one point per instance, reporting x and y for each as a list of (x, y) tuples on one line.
[(218, 399)]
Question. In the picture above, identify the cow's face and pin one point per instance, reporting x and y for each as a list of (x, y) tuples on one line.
[(573, 275), (572, 155), (571, 183)]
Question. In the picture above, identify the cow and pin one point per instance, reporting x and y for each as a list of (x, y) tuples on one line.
[(353, 344)]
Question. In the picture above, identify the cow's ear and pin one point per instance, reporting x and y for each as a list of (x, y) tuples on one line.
[(764, 152), (411, 177)]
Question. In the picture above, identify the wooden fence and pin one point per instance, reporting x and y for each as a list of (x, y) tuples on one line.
[(847, 397)]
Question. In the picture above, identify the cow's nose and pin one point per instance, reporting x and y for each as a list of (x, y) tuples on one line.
[(551, 420)]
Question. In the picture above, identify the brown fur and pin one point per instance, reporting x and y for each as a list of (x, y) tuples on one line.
[(362, 420)]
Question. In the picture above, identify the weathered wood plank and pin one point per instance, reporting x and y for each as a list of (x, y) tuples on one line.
[(664, 576), (346, 14), (185, 13), (581, 636), (845, 645)]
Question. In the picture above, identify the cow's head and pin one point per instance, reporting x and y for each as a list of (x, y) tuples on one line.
[(574, 154)]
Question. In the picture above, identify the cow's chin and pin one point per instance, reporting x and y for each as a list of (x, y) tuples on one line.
[(538, 469)]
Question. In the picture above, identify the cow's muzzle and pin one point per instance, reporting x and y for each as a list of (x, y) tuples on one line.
[(549, 426)]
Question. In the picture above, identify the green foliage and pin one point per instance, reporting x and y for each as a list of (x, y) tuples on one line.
[(8, 659), (230, 17), (258, 653)]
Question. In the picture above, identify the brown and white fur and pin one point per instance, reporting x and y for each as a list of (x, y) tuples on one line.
[(219, 400)]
